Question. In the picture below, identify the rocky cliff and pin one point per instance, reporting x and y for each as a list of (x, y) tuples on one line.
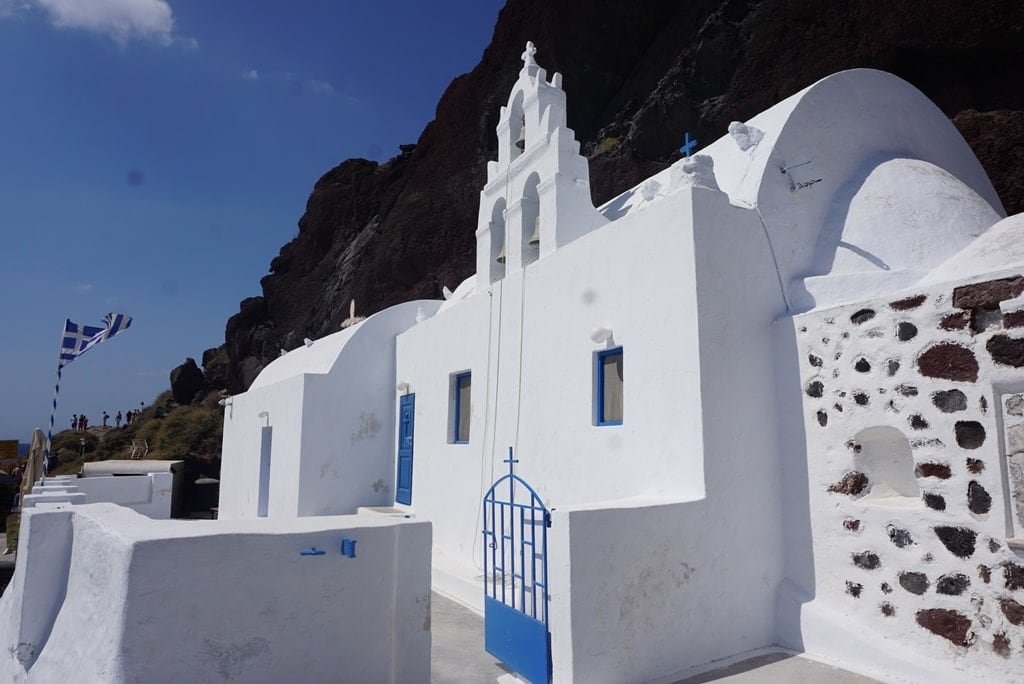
[(638, 77)]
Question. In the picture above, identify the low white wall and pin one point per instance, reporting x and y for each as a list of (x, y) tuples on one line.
[(651, 591), (149, 494), (172, 600)]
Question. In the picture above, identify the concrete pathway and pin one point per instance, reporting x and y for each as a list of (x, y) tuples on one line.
[(457, 654), (458, 657), (779, 668)]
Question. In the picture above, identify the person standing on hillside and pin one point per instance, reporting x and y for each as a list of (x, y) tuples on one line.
[(74, 422), (117, 419), (106, 417)]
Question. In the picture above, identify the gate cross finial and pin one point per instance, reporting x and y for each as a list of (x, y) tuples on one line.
[(511, 462)]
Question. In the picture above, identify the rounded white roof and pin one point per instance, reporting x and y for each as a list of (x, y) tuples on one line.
[(908, 214)]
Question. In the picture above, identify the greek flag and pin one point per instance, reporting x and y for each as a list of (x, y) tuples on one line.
[(80, 338)]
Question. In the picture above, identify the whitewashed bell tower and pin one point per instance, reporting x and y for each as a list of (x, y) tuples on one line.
[(537, 196)]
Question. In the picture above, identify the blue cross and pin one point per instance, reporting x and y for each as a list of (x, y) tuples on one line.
[(511, 461), (690, 144)]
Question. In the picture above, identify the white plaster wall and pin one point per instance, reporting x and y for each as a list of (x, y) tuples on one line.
[(148, 494), (645, 592), (333, 444), (240, 455), (528, 344), (203, 600)]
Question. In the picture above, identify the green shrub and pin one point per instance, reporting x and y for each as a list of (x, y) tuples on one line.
[(188, 430)]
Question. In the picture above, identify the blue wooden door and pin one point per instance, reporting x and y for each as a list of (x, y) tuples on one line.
[(406, 414)]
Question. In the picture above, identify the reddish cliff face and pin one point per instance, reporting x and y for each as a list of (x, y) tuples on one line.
[(638, 77)]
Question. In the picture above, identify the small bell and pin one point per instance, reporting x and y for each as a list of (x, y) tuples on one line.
[(521, 140), (535, 238), (501, 255)]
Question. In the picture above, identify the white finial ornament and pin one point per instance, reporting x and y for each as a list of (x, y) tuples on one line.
[(528, 54)]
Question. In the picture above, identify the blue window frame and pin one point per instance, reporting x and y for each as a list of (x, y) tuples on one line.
[(461, 391), (609, 385)]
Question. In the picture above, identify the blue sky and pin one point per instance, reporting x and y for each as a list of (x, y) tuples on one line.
[(155, 155)]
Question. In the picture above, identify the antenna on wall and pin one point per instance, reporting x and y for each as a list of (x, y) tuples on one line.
[(794, 185)]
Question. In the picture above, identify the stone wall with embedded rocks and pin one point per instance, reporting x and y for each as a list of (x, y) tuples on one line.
[(914, 419)]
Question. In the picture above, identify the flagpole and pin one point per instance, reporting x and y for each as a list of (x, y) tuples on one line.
[(53, 409)]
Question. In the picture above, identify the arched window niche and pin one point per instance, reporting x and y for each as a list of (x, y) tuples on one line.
[(499, 253), (883, 454), (530, 246), (517, 126)]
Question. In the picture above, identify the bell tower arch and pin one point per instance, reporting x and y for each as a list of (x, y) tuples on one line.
[(540, 178)]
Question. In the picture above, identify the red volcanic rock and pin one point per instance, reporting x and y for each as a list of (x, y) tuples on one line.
[(638, 78)]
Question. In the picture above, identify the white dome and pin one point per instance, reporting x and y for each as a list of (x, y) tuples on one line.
[(911, 215)]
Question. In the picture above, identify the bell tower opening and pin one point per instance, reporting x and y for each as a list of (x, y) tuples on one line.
[(531, 220)]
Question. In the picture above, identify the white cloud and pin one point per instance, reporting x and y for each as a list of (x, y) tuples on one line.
[(122, 20), (321, 87), (84, 287), (250, 75)]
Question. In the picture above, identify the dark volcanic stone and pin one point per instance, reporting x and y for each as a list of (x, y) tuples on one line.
[(939, 470), (917, 422), (949, 361), (1001, 645), (867, 560), (906, 331), (860, 398), (814, 360), (975, 466), (979, 501), (862, 316), (822, 418), (959, 540), (907, 390), (908, 303), (988, 294), (888, 610), (815, 389), (853, 483), (862, 365), (852, 525), (1013, 319), (955, 321), (886, 589), (854, 589), (950, 401), (1013, 576), (891, 366), (1005, 350), (186, 381), (952, 585), (401, 229), (1013, 611), (985, 573), (948, 624), (899, 536), (970, 434), (914, 582), (934, 501)]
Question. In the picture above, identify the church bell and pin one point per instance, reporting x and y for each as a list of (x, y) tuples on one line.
[(535, 238), (502, 255), (521, 140)]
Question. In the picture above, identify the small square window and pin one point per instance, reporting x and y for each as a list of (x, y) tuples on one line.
[(608, 402), (460, 404)]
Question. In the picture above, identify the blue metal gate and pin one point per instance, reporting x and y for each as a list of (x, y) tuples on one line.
[(516, 576)]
